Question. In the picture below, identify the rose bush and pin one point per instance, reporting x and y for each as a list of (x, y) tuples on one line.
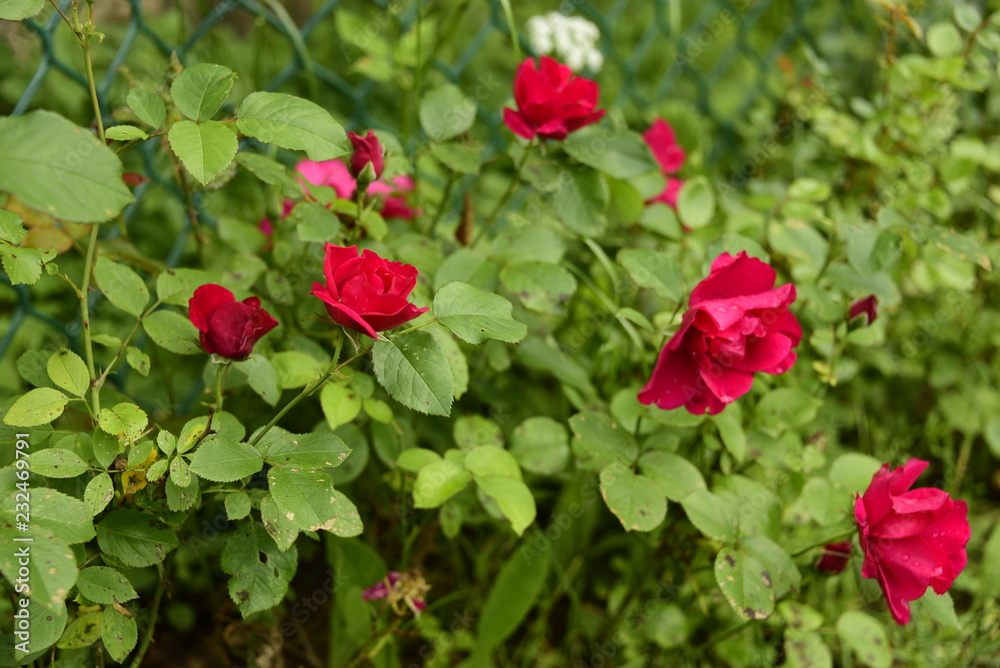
[(602, 389)]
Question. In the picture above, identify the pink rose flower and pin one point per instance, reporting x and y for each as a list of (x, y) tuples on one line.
[(662, 142)]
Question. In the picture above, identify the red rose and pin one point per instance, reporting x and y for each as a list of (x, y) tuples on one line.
[(551, 101), (367, 293), (867, 307), (835, 556), (228, 328), (912, 539), (366, 149), (737, 323)]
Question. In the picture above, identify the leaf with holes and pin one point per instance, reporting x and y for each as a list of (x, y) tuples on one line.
[(745, 583)]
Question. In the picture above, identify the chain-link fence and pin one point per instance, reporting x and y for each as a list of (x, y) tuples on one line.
[(719, 58)]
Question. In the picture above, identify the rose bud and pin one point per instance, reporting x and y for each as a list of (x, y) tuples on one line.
[(367, 151), (551, 101), (835, 557), (912, 538), (737, 323), (867, 306), (368, 293), (228, 328)]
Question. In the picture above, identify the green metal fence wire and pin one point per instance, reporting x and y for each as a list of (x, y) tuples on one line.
[(652, 48)]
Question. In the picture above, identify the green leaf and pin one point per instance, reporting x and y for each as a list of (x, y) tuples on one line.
[(730, 425), (650, 269), (24, 265), (696, 202), (437, 482), (262, 377), (296, 369), (492, 460), (943, 39), (308, 499), (199, 90), (39, 406), (177, 286), (414, 371), (12, 228), (172, 331), (122, 286), (281, 529), (18, 10), (125, 420), (745, 583), (635, 500), (69, 372), (135, 538), (581, 202), (317, 450), (99, 493), (82, 632), (54, 166), (52, 571), (138, 360), (124, 133), (513, 498), (601, 441), (314, 222), (57, 463), (866, 637), (617, 152), (293, 123), (806, 649), (785, 407), (940, 608), (446, 112), (461, 158), (148, 107), (205, 148), (105, 585), (60, 514), (541, 445), (220, 459), (711, 515), (267, 170), (476, 316), (414, 459), (237, 505), (260, 572), (781, 570), (118, 633), (512, 596), (854, 471), (340, 402), (106, 447), (46, 628), (540, 286)]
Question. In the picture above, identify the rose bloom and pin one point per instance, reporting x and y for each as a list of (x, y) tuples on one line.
[(367, 149), (912, 538), (668, 153), (737, 323), (228, 328), (551, 101), (835, 557), (368, 293)]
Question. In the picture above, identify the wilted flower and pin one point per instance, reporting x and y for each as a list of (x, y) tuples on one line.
[(400, 588)]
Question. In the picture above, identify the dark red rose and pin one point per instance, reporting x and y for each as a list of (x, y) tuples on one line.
[(228, 328), (912, 539), (737, 323), (551, 101), (867, 307), (367, 293), (835, 556), (366, 149)]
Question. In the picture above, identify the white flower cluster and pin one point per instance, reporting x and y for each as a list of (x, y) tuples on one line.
[(572, 38)]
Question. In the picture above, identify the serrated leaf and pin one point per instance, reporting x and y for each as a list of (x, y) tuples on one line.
[(675, 476), (221, 459), (414, 371), (316, 450), (52, 571), (636, 500), (105, 585), (122, 286), (118, 633), (260, 572), (98, 494), (745, 584), (281, 529), (307, 498), (205, 148), (600, 441), (148, 107), (540, 286), (866, 637), (617, 152), (18, 10), (293, 123), (54, 166), (39, 406), (24, 265), (437, 482), (650, 269), (199, 90), (135, 538), (476, 316), (172, 331), (69, 372), (340, 402), (237, 505), (262, 378), (711, 515)]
